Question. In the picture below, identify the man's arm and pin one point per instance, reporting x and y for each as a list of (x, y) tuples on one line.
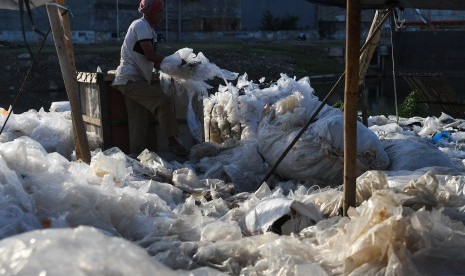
[(150, 53)]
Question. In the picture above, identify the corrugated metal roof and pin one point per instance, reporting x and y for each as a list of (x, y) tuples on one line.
[(417, 4)]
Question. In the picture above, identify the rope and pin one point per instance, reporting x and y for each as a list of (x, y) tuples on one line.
[(25, 4), (25, 80), (394, 68), (320, 107)]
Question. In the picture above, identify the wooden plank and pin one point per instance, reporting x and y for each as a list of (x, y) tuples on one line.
[(92, 120), (68, 70)]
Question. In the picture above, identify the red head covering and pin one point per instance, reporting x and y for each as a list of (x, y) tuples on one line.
[(150, 6)]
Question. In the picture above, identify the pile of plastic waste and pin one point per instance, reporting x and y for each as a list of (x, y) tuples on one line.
[(211, 215)]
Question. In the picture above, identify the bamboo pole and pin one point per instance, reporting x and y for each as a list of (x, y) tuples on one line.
[(365, 58), (350, 101), (63, 44)]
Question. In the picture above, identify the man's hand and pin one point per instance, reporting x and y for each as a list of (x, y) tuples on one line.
[(151, 55)]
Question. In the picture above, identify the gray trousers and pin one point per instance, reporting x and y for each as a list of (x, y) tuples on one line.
[(141, 97)]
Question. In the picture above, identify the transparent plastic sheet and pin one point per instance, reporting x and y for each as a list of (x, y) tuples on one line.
[(22, 124), (15, 220), (230, 256), (327, 200), (54, 133), (69, 189), (169, 193), (187, 180), (62, 106), (124, 212), (242, 165), (287, 255), (24, 155), (196, 67), (114, 166), (406, 222), (52, 130), (193, 122), (380, 226), (430, 126), (12, 190), (79, 251), (161, 168), (220, 231)]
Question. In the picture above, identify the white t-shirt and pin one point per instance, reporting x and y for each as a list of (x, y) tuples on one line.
[(133, 64)]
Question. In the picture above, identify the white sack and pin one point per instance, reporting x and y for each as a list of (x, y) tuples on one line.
[(266, 216), (415, 153), (319, 153)]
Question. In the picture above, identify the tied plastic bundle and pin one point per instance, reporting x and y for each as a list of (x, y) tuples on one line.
[(318, 155), (235, 111), (186, 72)]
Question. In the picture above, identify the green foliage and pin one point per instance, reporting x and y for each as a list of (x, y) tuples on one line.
[(339, 104), (270, 23), (412, 107)]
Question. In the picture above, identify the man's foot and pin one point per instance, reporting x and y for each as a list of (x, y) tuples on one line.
[(176, 147)]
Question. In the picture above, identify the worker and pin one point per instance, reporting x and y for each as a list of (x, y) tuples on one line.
[(134, 80)]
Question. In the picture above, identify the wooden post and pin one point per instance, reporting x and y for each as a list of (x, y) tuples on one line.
[(64, 18), (350, 101), (63, 44)]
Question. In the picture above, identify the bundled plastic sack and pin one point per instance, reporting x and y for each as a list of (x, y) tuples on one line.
[(414, 153), (189, 72), (234, 112), (318, 155)]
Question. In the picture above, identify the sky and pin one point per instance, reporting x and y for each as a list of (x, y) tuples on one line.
[(211, 214)]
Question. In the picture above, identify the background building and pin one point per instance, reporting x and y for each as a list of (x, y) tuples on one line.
[(253, 12), (93, 21)]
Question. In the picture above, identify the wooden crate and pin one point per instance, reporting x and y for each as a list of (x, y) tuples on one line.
[(104, 114)]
